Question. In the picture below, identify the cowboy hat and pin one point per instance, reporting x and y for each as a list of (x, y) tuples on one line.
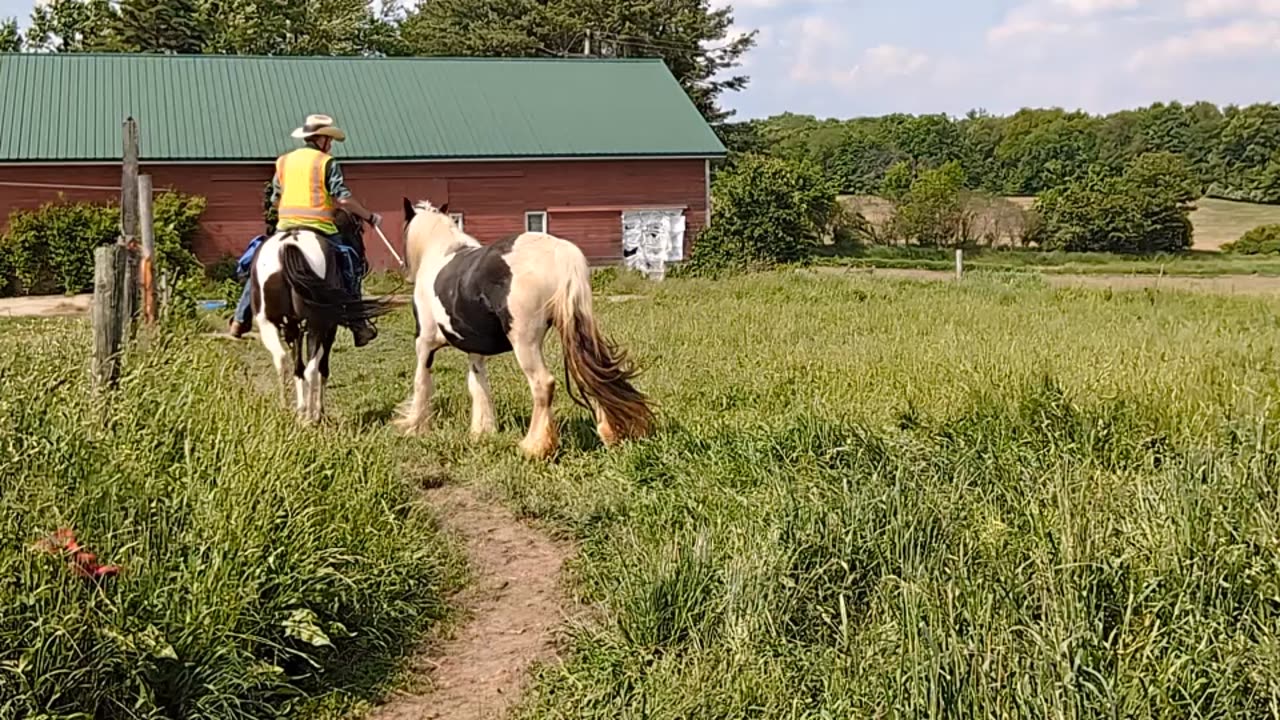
[(319, 125)]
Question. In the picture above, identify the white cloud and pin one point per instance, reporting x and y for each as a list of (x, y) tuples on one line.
[(1026, 20), (1058, 17), (1089, 8), (814, 42), (883, 62), (1242, 37), (1206, 9)]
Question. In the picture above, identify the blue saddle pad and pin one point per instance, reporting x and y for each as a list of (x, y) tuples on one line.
[(242, 265)]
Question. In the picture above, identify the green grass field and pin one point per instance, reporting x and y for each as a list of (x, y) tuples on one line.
[(867, 498)]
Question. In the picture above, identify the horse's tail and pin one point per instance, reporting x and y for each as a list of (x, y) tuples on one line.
[(600, 369), (317, 295)]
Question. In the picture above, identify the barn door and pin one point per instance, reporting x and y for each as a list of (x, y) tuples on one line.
[(651, 239)]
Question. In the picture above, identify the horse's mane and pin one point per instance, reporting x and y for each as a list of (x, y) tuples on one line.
[(418, 239)]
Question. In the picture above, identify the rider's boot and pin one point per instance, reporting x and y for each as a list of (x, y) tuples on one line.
[(363, 332)]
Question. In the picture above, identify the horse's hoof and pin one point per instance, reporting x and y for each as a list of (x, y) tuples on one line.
[(482, 431), (538, 450), (410, 427), (607, 434)]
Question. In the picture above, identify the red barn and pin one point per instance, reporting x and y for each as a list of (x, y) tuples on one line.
[(606, 153)]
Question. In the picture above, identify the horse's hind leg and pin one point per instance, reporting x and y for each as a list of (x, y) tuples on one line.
[(320, 385), (482, 421), (270, 335), (300, 355), (542, 438), (313, 377)]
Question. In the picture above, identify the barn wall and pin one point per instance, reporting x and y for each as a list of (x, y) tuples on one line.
[(584, 198)]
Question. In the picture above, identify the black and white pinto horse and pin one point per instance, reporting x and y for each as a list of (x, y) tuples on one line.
[(504, 297), (299, 302)]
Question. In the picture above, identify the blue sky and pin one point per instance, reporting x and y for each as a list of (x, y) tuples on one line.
[(842, 58)]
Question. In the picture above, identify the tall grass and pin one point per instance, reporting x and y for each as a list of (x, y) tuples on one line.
[(875, 498), (867, 498), (266, 569)]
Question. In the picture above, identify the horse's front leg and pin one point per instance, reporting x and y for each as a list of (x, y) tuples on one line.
[(482, 421), (415, 416)]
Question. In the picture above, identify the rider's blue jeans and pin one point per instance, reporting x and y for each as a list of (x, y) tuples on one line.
[(351, 279)]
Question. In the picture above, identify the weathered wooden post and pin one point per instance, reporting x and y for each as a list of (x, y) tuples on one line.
[(959, 264), (109, 312), (129, 185), (147, 269), (115, 288), (129, 219)]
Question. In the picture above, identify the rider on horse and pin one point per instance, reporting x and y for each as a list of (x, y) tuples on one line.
[(309, 188)]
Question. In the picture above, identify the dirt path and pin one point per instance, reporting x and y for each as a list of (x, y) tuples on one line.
[(45, 306), (513, 606)]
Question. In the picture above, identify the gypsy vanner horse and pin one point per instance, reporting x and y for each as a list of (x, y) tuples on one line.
[(504, 297), (299, 302)]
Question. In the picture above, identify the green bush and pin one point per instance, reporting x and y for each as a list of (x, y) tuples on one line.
[(50, 249), (1262, 240), (1143, 211), (177, 219), (766, 211), (933, 211)]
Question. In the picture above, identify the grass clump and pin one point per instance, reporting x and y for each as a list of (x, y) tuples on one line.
[(886, 498), (265, 569)]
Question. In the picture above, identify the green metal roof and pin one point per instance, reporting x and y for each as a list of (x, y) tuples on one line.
[(69, 107)]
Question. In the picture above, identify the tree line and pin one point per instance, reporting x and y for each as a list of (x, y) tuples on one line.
[(691, 36), (1231, 152)]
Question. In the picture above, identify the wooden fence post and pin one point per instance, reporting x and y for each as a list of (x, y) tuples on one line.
[(959, 264), (147, 225), (109, 312), (130, 291), (129, 185)]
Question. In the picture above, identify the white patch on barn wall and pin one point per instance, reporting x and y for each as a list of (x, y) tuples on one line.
[(651, 239)]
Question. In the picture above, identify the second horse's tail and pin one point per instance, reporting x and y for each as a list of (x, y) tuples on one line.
[(600, 369)]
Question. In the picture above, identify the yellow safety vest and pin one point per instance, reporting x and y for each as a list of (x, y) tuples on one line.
[(304, 196)]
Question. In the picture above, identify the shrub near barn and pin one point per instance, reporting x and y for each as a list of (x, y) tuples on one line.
[(50, 249), (767, 211)]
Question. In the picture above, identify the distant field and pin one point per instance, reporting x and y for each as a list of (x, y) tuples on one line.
[(1216, 221)]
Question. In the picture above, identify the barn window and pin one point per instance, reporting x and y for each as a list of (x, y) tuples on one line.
[(535, 221), (457, 219)]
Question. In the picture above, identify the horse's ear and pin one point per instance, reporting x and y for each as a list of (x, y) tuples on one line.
[(444, 209), (409, 212)]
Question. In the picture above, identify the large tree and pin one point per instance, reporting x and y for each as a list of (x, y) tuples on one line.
[(71, 26), (257, 27), (10, 38), (159, 26), (691, 37)]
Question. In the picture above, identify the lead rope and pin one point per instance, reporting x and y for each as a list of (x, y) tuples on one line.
[(404, 280)]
